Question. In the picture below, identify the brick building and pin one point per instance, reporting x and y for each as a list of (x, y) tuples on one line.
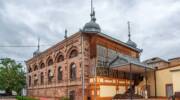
[(91, 65)]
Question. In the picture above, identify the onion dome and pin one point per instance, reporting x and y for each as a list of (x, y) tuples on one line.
[(131, 43), (92, 26)]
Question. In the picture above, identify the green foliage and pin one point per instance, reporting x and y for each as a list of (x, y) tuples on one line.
[(12, 76), (64, 98), (24, 98)]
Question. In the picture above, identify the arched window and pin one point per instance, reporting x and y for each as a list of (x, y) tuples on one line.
[(50, 76), (29, 80), (35, 67), (73, 71), (73, 53), (60, 73), (50, 62), (42, 65), (30, 69), (42, 78), (60, 58), (35, 79)]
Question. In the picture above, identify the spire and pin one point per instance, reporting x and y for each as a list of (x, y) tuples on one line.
[(129, 30), (130, 42), (38, 48), (65, 34), (38, 44), (93, 18)]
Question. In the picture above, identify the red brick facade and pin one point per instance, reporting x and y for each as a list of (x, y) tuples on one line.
[(45, 66)]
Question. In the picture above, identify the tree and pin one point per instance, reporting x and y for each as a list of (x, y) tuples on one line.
[(12, 76)]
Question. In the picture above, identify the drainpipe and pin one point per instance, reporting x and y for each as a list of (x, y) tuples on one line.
[(130, 82), (155, 82)]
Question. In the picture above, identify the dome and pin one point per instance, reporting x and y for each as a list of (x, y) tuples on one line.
[(91, 26), (131, 43)]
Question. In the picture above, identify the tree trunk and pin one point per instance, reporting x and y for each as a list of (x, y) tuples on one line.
[(8, 92)]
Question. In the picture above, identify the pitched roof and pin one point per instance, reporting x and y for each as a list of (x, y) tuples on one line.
[(154, 60)]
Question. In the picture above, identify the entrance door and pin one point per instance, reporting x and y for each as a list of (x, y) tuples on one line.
[(169, 90)]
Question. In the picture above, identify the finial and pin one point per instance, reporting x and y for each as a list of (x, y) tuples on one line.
[(129, 30), (38, 44), (92, 12), (65, 36)]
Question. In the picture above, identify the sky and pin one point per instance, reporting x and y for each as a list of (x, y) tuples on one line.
[(155, 24)]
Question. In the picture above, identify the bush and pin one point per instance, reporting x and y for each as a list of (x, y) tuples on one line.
[(24, 98), (64, 98)]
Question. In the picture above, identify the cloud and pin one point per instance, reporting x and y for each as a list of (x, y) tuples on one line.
[(155, 24)]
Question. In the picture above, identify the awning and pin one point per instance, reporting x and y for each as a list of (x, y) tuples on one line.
[(135, 68)]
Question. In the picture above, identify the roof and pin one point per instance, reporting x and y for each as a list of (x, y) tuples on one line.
[(174, 58), (121, 60), (118, 41), (100, 34), (154, 60)]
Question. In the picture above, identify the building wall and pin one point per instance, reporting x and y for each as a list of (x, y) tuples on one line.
[(176, 81), (163, 77), (57, 88)]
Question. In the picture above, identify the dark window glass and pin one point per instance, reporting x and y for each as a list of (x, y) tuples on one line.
[(50, 76), (60, 73), (29, 80), (73, 71), (73, 53), (42, 78)]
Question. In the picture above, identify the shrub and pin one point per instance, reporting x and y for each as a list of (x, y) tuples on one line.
[(24, 98), (64, 98)]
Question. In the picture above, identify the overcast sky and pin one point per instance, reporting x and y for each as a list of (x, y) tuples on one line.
[(155, 24)]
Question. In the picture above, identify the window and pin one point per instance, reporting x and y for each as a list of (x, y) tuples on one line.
[(50, 62), (72, 95), (60, 58), (42, 65), (73, 71), (30, 70), (60, 73), (42, 78), (73, 54), (35, 80), (29, 80), (102, 56), (35, 68), (50, 76)]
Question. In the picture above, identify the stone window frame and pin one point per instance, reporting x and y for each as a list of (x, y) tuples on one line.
[(72, 52), (42, 65), (59, 57), (50, 61)]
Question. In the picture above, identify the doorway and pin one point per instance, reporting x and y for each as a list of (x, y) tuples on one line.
[(169, 90)]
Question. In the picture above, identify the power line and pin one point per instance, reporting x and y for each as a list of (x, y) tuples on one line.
[(22, 45)]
